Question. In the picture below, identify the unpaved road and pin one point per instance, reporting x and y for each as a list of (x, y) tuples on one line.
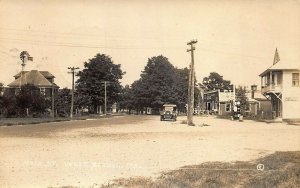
[(89, 153)]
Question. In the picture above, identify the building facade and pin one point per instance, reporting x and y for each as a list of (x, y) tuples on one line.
[(259, 105), (219, 101), (43, 80), (280, 84)]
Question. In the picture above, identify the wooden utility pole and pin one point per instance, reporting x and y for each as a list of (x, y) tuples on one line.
[(105, 103), (72, 99), (191, 84), (105, 96), (52, 102)]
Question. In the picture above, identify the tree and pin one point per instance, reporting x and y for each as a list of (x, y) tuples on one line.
[(31, 98), (90, 84), (63, 101), (1, 88), (16, 102), (127, 99), (215, 81), (241, 96), (1, 98), (160, 83), (182, 88), (9, 103)]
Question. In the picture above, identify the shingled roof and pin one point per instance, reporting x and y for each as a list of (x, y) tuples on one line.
[(46, 74), (33, 77)]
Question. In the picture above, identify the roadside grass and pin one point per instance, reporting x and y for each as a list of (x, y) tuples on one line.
[(281, 169), (30, 120)]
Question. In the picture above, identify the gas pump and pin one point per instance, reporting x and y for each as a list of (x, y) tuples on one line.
[(237, 110)]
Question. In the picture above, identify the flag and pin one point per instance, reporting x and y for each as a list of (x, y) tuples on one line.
[(30, 58), (276, 57)]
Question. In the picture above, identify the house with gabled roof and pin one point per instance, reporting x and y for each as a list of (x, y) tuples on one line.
[(280, 84), (43, 80)]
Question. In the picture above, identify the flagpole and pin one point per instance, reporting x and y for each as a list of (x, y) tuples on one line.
[(276, 57)]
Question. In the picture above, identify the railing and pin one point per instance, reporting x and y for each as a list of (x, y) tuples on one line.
[(271, 87)]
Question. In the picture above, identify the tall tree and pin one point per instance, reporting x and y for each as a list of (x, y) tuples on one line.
[(160, 83), (182, 88), (90, 84), (215, 81)]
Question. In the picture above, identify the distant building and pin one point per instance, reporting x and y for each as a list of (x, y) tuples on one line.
[(219, 101), (259, 105), (280, 84), (43, 80)]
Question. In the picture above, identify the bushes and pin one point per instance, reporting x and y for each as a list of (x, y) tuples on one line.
[(17, 103)]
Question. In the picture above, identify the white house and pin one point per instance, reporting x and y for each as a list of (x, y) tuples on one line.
[(280, 84)]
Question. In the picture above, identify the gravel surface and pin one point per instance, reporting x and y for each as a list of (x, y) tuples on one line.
[(92, 152)]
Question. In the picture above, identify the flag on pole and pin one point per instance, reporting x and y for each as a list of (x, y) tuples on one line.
[(30, 58), (276, 57)]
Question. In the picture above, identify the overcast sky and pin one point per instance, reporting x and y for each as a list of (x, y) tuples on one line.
[(237, 39)]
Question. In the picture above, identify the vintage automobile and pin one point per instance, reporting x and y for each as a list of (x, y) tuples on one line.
[(169, 112)]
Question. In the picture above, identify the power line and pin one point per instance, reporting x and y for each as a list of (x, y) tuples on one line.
[(46, 43), (88, 35), (111, 38)]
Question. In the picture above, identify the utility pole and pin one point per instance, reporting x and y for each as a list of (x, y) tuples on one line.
[(105, 96), (72, 99), (52, 102), (191, 84), (105, 102)]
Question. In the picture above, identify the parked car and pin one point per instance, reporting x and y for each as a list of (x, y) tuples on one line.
[(169, 112)]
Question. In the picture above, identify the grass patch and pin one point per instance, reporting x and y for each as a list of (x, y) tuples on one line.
[(30, 120), (281, 169)]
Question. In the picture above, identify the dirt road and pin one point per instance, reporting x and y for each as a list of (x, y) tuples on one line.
[(92, 152)]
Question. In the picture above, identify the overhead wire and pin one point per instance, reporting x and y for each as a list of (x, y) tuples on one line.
[(102, 46)]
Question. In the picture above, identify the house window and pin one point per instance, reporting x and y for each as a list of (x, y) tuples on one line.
[(227, 107), (43, 90), (295, 79)]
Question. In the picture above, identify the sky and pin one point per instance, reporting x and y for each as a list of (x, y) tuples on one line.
[(235, 38)]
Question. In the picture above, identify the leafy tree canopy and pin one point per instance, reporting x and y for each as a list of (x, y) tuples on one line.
[(160, 83), (90, 84), (215, 81)]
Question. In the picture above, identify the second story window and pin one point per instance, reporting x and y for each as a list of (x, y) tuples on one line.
[(295, 79)]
